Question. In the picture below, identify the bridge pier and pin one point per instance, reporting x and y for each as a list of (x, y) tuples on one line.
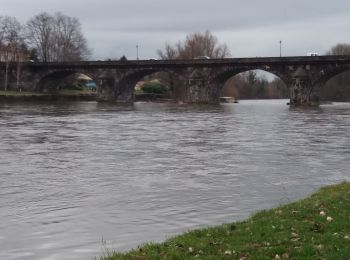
[(201, 91), (105, 89), (200, 87), (112, 89), (302, 91)]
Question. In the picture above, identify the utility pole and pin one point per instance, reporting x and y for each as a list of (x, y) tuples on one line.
[(280, 48), (137, 51)]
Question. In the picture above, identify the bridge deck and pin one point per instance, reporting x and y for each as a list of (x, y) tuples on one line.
[(293, 60)]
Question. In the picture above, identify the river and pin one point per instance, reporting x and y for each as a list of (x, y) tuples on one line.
[(80, 179)]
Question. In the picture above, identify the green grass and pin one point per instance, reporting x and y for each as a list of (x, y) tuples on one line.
[(62, 92), (18, 94), (75, 92), (317, 227)]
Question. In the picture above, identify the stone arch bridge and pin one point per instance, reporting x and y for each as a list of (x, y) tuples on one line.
[(202, 79)]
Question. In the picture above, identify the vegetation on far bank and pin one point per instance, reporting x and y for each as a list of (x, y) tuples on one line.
[(69, 94), (317, 227), (151, 90), (74, 89), (20, 93)]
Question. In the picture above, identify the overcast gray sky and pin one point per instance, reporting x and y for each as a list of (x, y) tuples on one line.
[(249, 28)]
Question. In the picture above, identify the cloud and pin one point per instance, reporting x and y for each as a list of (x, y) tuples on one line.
[(250, 28)]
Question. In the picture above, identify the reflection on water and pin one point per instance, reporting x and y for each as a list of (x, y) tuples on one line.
[(75, 174)]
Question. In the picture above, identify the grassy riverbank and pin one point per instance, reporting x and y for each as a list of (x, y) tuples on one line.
[(38, 96), (11, 93), (317, 227)]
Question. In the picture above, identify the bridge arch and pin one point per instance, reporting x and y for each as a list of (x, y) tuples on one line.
[(51, 80), (223, 75), (123, 88), (327, 84), (325, 74), (252, 83)]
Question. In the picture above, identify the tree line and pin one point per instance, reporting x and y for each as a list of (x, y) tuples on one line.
[(251, 85), (43, 38)]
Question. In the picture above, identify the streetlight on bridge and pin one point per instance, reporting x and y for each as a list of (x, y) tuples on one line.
[(137, 51), (280, 48)]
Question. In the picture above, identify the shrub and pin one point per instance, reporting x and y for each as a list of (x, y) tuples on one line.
[(154, 88)]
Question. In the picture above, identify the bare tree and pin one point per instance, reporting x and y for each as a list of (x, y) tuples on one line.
[(40, 33), (195, 45), (71, 44), (339, 49), (57, 38), (11, 44), (170, 53)]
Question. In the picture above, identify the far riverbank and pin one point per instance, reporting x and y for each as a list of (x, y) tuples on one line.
[(13, 96)]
